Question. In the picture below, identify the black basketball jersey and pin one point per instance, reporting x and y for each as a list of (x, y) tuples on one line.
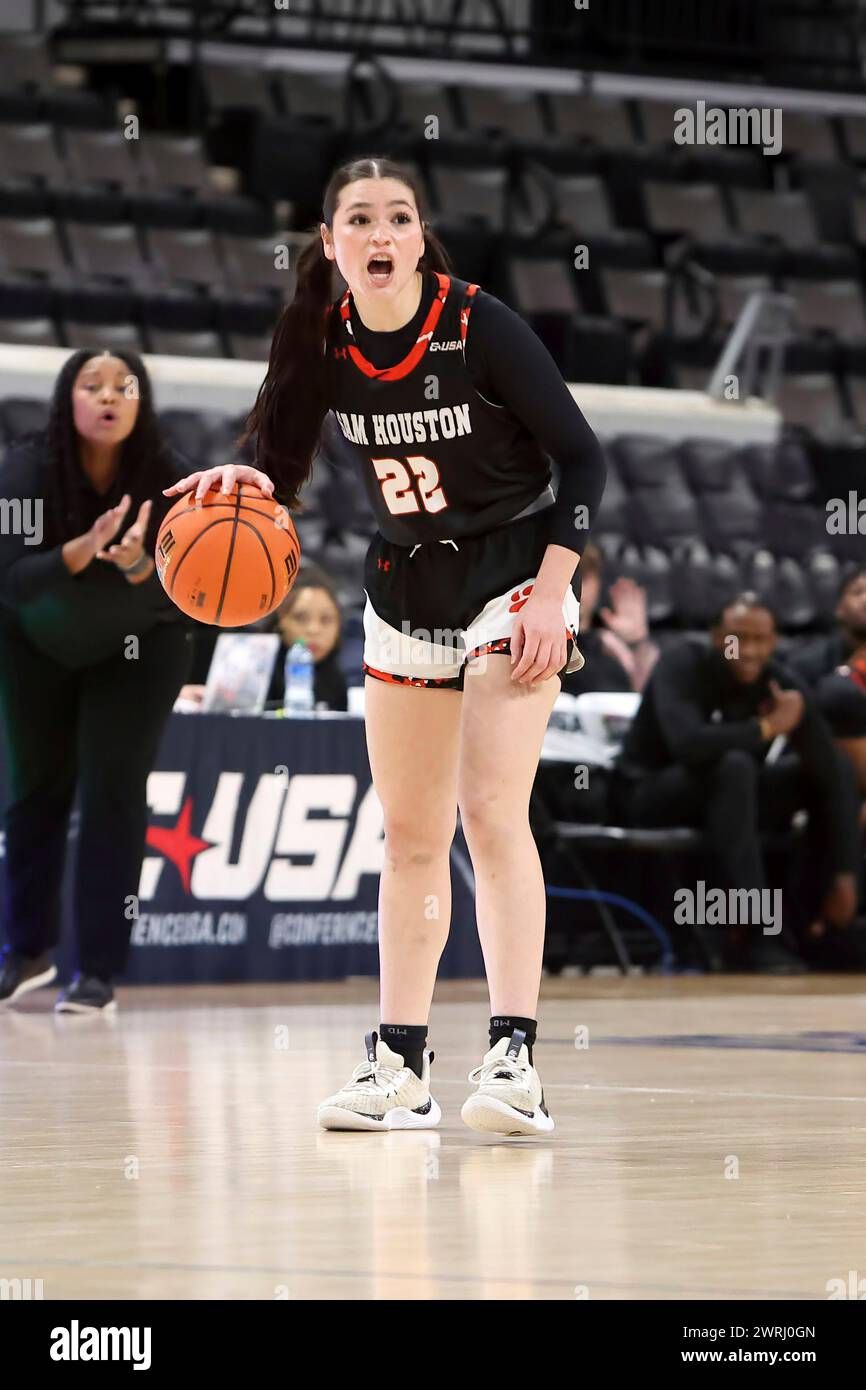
[(438, 460)]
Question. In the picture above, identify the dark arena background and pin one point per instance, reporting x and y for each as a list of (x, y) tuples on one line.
[(672, 195)]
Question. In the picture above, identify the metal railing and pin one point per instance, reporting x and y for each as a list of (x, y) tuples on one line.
[(818, 43)]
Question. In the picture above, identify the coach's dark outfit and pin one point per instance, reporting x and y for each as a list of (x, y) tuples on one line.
[(694, 755), (78, 709)]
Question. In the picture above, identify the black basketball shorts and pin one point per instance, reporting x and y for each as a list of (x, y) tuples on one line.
[(432, 608)]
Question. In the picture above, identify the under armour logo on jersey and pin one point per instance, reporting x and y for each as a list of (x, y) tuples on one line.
[(519, 597)]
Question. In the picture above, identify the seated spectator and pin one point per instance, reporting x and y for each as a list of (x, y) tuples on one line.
[(311, 612), (834, 667), (696, 754), (618, 655)]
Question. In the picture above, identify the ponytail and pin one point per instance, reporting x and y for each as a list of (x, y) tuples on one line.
[(435, 256), (292, 400)]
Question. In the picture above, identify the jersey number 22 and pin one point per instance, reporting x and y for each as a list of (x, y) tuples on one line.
[(410, 492)]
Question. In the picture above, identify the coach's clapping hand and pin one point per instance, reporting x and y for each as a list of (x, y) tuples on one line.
[(225, 477), (131, 547), (80, 550)]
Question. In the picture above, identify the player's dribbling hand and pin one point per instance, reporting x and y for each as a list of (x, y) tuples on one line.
[(538, 643), (225, 476)]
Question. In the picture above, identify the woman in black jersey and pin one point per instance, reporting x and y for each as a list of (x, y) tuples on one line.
[(92, 656), (454, 409)]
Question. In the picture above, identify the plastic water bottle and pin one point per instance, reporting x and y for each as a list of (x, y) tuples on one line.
[(298, 697)]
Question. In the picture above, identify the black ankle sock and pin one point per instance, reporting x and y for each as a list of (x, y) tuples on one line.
[(409, 1040), (503, 1026)]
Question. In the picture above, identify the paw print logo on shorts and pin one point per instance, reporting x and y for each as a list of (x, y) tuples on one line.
[(519, 597)]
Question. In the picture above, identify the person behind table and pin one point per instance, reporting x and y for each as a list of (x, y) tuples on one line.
[(311, 613)]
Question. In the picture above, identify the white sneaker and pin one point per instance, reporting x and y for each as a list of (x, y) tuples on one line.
[(382, 1094), (509, 1098)]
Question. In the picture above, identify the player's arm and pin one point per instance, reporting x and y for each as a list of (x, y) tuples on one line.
[(511, 366)]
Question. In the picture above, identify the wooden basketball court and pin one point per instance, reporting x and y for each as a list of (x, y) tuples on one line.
[(709, 1145)]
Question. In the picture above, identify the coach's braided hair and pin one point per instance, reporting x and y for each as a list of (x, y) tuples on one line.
[(145, 457), (292, 400)]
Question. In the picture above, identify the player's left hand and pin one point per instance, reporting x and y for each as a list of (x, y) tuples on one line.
[(131, 545), (539, 643)]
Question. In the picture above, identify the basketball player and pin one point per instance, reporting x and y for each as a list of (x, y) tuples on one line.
[(454, 409)]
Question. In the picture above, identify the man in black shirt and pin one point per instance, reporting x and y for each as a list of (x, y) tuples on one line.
[(696, 754)]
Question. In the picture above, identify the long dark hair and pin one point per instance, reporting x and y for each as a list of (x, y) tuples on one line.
[(145, 458), (293, 398)]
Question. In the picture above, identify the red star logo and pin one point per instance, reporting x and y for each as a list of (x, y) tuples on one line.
[(178, 844)]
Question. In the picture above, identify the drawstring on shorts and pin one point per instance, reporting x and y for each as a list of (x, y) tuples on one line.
[(420, 543)]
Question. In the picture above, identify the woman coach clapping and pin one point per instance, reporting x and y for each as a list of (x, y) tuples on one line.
[(92, 656)]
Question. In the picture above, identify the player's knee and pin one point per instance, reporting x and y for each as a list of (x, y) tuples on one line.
[(415, 840), (488, 818)]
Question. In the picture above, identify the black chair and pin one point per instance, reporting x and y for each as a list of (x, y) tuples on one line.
[(191, 432), (792, 528), (702, 583), (19, 415), (780, 471), (663, 516), (651, 569), (731, 518), (645, 460), (793, 600), (823, 572)]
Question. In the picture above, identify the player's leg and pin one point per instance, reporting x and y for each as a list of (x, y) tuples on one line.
[(502, 732), (412, 742)]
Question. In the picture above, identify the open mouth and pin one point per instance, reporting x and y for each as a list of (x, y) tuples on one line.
[(108, 416), (380, 269)]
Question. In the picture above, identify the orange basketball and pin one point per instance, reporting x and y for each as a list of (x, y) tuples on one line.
[(229, 561)]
